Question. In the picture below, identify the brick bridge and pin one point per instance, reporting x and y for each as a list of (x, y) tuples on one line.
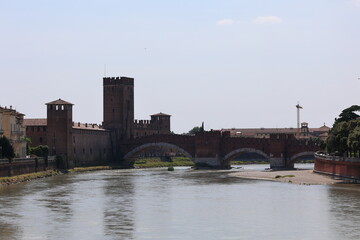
[(217, 149)]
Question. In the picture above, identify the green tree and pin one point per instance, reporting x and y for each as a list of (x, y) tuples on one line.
[(195, 130), (40, 151), (343, 137), (6, 149), (353, 141), (348, 114)]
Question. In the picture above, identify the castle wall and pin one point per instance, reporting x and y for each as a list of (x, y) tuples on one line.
[(24, 166), (90, 147), (37, 134)]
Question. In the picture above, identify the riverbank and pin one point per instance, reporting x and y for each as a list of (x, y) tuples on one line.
[(157, 162), (27, 177), (305, 177)]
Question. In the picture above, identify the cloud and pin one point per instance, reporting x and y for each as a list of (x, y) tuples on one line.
[(267, 20), (224, 22)]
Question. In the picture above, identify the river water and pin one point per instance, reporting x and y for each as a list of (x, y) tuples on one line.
[(184, 204)]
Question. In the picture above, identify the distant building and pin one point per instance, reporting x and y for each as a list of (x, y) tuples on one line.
[(11, 126), (85, 143), (305, 132)]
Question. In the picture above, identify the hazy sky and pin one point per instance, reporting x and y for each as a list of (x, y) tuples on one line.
[(229, 63)]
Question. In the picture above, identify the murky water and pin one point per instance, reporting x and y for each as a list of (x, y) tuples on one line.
[(184, 204)]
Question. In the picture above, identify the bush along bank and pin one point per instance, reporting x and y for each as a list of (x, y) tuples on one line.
[(158, 162)]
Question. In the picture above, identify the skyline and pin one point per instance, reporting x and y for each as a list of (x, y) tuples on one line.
[(243, 64)]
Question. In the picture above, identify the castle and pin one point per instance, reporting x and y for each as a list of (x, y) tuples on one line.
[(85, 144)]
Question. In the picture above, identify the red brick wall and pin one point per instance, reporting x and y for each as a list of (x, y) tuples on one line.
[(339, 168), (90, 147), (118, 100), (24, 167), (37, 134)]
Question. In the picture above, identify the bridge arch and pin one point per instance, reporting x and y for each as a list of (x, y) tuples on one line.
[(301, 154), (228, 157), (129, 157)]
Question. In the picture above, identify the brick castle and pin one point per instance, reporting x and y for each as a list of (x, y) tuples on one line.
[(85, 144)]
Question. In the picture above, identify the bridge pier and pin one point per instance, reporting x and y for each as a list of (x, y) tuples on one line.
[(209, 162), (276, 163)]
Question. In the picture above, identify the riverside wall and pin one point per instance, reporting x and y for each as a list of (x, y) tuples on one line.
[(24, 166), (337, 166)]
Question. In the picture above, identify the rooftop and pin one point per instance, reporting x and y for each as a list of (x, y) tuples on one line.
[(160, 114), (35, 122), (59, 102)]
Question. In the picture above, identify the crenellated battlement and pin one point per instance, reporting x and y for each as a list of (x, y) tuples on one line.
[(142, 123), (118, 80)]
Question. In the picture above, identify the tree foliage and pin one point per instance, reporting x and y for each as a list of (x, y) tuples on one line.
[(195, 130), (344, 137), (348, 114), (6, 149), (40, 151)]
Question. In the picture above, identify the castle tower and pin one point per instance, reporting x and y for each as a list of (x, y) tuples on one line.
[(161, 122), (59, 129), (119, 106)]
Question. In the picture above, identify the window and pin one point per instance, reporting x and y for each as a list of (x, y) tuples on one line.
[(40, 139)]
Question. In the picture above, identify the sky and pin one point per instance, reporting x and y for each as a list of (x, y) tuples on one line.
[(227, 63)]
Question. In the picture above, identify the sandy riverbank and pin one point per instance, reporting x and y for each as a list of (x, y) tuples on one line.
[(307, 177)]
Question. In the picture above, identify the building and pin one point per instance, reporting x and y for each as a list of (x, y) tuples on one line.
[(86, 144), (158, 124), (305, 132), (11, 126)]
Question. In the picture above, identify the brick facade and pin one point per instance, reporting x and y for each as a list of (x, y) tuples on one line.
[(88, 144)]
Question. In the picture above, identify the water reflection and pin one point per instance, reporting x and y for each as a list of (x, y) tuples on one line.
[(345, 211), (119, 205), (184, 204)]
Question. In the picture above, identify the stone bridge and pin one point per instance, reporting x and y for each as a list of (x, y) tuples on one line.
[(217, 149)]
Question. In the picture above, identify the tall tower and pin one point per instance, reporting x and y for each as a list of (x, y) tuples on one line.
[(119, 106), (298, 107), (161, 123), (59, 129)]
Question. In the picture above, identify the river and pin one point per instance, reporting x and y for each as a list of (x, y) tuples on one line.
[(184, 204)]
